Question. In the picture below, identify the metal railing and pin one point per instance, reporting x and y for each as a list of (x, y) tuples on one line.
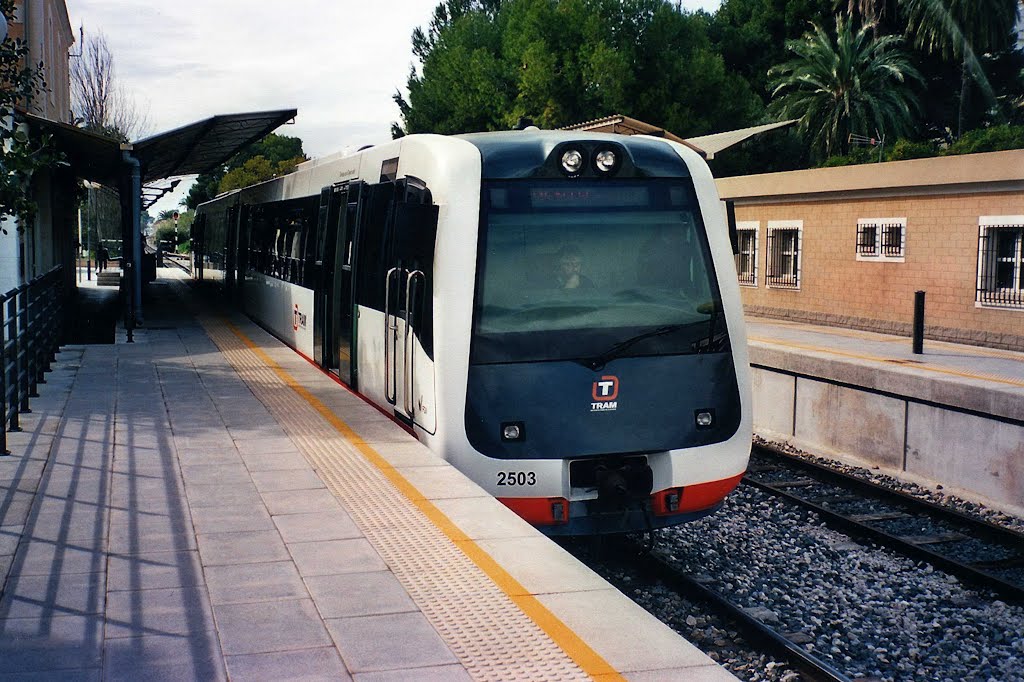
[(31, 317)]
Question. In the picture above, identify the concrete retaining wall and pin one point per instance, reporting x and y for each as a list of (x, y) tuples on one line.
[(966, 436)]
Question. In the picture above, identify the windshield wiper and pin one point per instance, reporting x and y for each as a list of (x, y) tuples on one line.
[(619, 348), (716, 340)]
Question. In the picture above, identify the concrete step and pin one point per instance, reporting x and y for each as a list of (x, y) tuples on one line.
[(108, 278)]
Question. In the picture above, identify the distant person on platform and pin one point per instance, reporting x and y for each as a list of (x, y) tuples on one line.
[(101, 256), (569, 269)]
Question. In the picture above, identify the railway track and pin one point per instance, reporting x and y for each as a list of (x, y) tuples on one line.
[(779, 644), (986, 555), (181, 261)]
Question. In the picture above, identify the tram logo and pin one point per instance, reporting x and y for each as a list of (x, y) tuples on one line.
[(298, 319), (605, 392)]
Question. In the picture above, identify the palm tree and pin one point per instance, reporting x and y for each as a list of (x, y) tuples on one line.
[(853, 84), (959, 30)]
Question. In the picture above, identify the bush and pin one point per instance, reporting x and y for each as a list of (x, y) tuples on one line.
[(905, 149), (994, 139)]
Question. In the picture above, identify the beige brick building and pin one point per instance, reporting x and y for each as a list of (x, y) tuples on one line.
[(849, 246)]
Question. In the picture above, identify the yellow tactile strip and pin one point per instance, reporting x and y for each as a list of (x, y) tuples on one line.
[(491, 623)]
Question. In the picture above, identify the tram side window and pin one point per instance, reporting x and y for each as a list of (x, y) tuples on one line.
[(371, 270)]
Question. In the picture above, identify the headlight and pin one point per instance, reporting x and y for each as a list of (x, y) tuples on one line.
[(572, 161), (606, 161)]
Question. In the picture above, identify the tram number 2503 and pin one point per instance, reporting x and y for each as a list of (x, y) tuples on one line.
[(517, 478)]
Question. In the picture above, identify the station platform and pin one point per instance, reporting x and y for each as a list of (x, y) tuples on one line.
[(203, 503), (952, 416)]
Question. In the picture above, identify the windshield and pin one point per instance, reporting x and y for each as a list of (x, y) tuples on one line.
[(578, 271)]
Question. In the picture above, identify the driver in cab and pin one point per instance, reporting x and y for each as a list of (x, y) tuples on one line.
[(569, 269)]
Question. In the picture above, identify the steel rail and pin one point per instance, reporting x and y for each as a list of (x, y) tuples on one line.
[(969, 526), (755, 630)]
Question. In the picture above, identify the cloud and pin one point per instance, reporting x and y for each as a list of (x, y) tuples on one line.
[(338, 63)]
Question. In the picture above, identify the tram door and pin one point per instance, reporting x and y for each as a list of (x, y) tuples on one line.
[(332, 318), (230, 247), (408, 340)]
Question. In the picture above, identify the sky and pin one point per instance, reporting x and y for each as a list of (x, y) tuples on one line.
[(338, 62)]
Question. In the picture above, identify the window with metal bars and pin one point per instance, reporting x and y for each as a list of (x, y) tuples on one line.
[(783, 255), (746, 254), (881, 239), (1001, 262)]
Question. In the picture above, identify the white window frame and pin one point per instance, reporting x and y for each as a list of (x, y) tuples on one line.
[(783, 226), (987, 226), (879, 224), (748, 226)]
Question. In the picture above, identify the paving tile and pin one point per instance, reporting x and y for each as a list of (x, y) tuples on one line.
[(218, 495), (300, 501), (165, 611), (293, 479), (222, 456), (599, 616), (434, 482), (10, 536), (153, 570), (275, 461), (32, 596), (270, 626), (231, 519), (359, 594), (329, 557), (39, 557), (212, 441), (130, 540), (695, 673), (253, 446), (330, 525), (164, 657), (307, 664), (541, 566), (359, 641), (484, 517), (439, 673), (215, 473), (50, 643), (254, 582), (414, 454), (77, 675), (247, 547)]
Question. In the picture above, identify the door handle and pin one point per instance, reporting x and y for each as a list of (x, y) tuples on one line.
[(390, 380), (409, 349)]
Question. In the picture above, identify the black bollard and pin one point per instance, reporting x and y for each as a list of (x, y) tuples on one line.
[(918, 322)]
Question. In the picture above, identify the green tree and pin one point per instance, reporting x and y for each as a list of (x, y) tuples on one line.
[(21, 155), (256, 169), (273, 148), (483, 65), (751, 35), (963, 31), (850, 84)]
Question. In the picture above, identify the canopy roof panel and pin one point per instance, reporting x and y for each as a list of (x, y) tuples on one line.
[(196, 148), (202, 146)]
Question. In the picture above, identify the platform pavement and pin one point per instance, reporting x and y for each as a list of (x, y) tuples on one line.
[(995, 369), (156, 522)]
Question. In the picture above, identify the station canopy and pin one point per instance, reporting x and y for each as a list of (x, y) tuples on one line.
[(190, 150), (706, 145)]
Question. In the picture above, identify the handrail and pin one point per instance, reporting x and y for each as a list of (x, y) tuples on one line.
[(31, 321)]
